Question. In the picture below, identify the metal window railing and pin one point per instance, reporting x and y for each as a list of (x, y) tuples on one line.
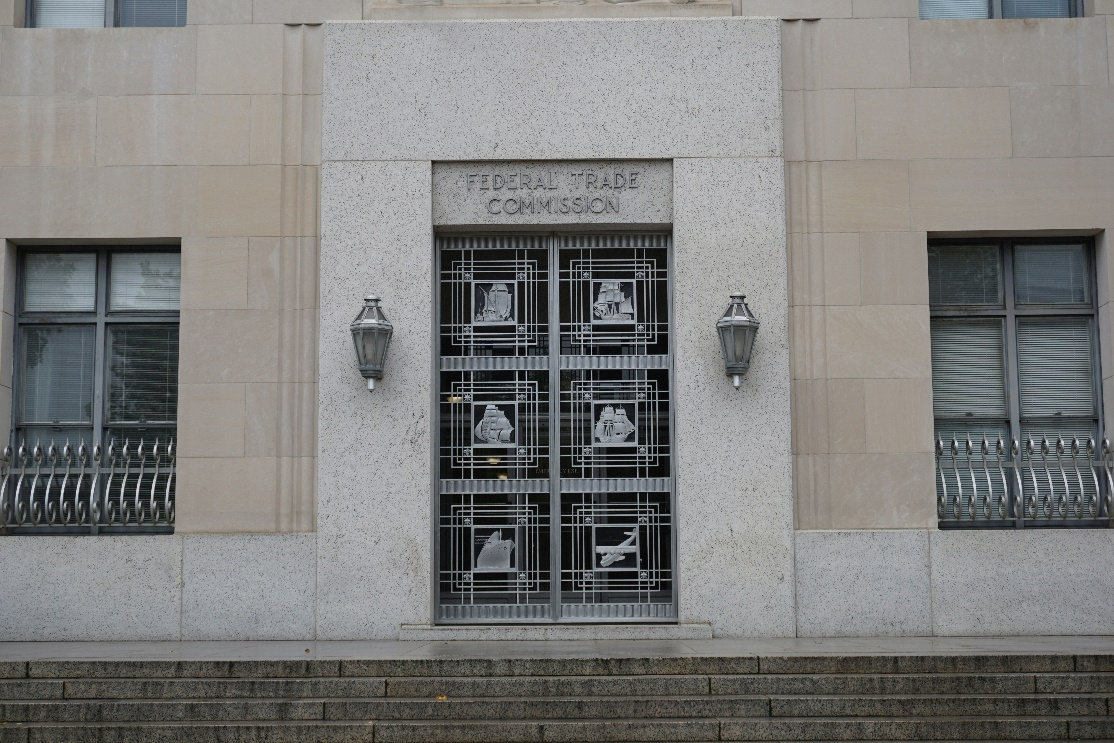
[(66, 490), (1061, 482)]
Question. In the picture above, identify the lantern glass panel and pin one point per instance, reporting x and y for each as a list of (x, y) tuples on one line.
[(378, 347), (371, 347), (742, 343)]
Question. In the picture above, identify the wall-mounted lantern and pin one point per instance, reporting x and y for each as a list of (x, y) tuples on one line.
[(737, 329), (371, 332)]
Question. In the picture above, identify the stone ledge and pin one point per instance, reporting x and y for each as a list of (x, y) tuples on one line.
[(426, 632)]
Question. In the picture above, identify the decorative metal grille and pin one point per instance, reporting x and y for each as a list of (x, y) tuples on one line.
[(555, 495), (992, 482), (618, 556), (65, 489)]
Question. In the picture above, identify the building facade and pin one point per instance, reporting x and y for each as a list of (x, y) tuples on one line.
[(554, 202)]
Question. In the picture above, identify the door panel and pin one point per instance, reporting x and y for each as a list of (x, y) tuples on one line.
[(555, 506)]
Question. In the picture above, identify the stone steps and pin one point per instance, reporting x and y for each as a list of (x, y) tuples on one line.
[(563, 666), (513, 700), (534, 731), (552, 708), (191, 688), (192, 732), (736, 685)]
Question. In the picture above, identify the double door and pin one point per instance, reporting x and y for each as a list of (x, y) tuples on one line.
[(554, 498)]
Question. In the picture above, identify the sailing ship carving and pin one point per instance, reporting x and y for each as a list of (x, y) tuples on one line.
[(496, 553), (613, 426), (494, 427), (612, 303), (494, 304)]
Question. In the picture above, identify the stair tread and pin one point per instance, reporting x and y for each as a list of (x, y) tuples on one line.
[(223, 723), (549, 698), (195, 723)]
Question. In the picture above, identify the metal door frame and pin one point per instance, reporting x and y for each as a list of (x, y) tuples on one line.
[(553, 360)]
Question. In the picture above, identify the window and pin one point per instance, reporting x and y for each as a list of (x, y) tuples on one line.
[(931, 9), (97, 347), (95, 393), (1014, 354), (102, 13)]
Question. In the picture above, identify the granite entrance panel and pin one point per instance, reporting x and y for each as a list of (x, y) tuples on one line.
[(583, 130)]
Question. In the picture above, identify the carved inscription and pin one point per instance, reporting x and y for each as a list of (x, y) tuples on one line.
[(545, 192), (552, 191)]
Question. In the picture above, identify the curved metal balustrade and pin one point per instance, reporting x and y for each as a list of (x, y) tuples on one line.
[(1060, 482), (81, 490)]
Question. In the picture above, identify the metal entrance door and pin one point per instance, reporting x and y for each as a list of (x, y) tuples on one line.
[(555, 493)]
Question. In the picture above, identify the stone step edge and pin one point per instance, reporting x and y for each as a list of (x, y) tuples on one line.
[(590, 677), (566, 698), (557, 666), (543, 721), (630, 631)]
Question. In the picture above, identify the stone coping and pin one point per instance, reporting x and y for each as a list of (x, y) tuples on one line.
[(572, 649)]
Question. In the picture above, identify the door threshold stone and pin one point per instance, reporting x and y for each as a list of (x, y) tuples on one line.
[(685, 631)]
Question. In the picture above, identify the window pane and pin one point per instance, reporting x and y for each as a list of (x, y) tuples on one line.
[(964, 275), (1082, 429), (955, 9), (961, 429), (58, 435), (133, 437), (68, 13), (1047, 274), (57, 374), (142, 374), (1036, 8), (145, 281), (1054, 367), (60, 282), (152, 12), (968, 369)]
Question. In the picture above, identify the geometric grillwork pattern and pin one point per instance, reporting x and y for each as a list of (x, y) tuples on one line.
[(494, 425), (618, 547), (610, 302), (495, 550), (615, 422), (494, 296)]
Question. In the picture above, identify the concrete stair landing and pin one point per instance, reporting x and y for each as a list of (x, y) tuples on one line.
[(666, 693)]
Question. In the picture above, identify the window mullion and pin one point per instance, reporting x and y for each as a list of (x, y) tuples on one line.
[(100, 346), (554, 310), (1096, 347), (1012, 379)]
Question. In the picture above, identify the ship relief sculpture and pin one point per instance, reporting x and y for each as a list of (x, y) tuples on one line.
[(493, 303), (495, 554), (614, 302), (614, 545), (494, 424), (613, 424)]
